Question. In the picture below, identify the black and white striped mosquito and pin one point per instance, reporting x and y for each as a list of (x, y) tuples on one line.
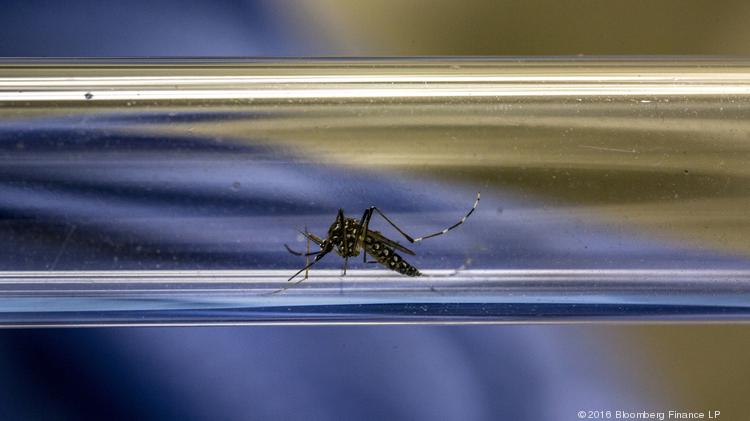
[(348, 237)]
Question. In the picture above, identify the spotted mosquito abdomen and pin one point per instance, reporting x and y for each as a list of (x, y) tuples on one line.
[(388, 258)]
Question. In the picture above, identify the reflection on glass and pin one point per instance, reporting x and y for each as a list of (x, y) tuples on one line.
[(165, 191)]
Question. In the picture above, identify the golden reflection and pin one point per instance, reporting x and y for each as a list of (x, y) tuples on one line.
[(659, 148)]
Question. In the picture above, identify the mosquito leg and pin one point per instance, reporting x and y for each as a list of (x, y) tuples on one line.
[(342, 232), (364, 223), (308, 266), (418, 239), (307, 254)]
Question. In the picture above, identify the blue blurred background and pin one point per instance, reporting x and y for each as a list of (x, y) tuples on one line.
[(368, 372)]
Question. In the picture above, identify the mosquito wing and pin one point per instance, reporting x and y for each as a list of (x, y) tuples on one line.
[(380, 237)]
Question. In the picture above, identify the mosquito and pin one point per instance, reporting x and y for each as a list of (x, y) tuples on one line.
[(349, 237)]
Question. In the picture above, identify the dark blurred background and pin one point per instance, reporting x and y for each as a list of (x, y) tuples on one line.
[(374, 28), (408, 372)]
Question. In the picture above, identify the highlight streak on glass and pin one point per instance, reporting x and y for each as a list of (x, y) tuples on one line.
[(371, 296), (293, 79)]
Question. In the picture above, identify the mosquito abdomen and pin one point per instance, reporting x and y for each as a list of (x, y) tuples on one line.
[(390, 259)]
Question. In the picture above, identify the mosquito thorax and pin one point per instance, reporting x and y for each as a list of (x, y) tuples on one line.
[(351, 227), (345, 239)]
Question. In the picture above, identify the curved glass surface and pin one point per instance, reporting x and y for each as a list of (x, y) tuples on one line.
[(164, 191)]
